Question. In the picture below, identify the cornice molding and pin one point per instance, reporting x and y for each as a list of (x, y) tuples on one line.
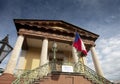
[(55, 25), (61, 38)]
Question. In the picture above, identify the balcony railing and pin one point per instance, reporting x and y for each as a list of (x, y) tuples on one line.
[(28, 77)]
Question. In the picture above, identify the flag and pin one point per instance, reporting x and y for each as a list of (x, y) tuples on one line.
[(79, 45)]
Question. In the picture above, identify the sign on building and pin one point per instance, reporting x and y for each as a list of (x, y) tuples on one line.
[(67, 68)]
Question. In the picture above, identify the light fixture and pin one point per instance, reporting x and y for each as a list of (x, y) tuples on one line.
[(5, 48), (54, 49)]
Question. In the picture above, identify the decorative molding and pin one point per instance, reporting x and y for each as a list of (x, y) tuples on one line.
[(54, 30), (52, 24), (61, 38)]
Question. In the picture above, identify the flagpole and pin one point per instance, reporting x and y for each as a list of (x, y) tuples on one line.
[(81, 51)]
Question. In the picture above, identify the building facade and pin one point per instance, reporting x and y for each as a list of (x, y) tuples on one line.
[(41, 41)]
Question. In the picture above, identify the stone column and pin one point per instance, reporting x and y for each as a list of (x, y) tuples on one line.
[(14, 55), (44, 52), (96, 61), (83, 60), (75, 54), (21, 60), (76, 58)]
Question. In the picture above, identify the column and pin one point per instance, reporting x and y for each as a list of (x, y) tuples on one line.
[(14, 55), (75, 55), (44, 52), (76, 58), (21, 60), (83, 60), (96, 61)]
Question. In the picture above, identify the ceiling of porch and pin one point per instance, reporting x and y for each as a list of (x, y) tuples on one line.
[(37, 43)]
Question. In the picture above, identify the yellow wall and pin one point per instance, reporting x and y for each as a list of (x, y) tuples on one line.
[(68, 55), (32, 58)]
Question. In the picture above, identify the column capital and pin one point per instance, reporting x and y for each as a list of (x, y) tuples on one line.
[(93, 45), (21, 31), (44, 38)]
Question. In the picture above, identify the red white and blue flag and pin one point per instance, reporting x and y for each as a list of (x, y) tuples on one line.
[(79, 45)]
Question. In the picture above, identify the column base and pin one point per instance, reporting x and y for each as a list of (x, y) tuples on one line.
[(7, 78)]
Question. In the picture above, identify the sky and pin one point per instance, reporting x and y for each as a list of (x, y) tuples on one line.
[(98, 16)]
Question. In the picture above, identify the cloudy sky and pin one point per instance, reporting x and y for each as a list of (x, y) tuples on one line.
[(98, 16)]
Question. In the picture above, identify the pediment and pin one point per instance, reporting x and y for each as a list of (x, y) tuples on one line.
[(54, 25), (54, 29)]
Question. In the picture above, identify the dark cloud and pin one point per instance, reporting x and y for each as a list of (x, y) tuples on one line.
[(52, 9), (3, 3), (88, 14), (62, 9)]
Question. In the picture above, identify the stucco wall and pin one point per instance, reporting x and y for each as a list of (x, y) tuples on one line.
[(68, 56), (32, 58)]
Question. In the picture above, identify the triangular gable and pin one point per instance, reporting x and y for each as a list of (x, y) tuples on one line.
[(56, 25), (54, 29)]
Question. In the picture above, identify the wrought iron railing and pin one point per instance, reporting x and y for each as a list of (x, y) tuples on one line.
[(31, 75), (28, 77), (91, 74), (19, 72)]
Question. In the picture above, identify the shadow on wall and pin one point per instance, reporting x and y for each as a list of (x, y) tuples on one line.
[(32, 58)]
